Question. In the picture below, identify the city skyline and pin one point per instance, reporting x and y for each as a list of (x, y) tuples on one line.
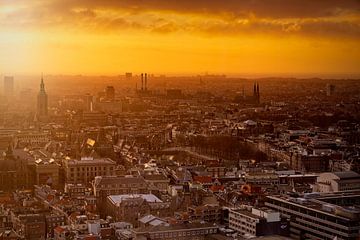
[(250, 39)]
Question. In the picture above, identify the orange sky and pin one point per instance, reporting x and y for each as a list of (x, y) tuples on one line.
[(179, 37)]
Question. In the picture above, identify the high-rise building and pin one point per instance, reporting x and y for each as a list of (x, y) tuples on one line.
[(320, 216), (330, 90), (42, 101), (8, 85), (110, 93)]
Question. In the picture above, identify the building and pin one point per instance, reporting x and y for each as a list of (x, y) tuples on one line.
[(189, 231), (128, 75), (8, 85), (75, 190), (85, 170), (330, 89), (30, 226), (174, 93), (117, 185), (31, 138), (157, 182), (337, 181), (110, 93), (208, 213), (42, 101), (121, 207), (47, 172), (253, 100), (257, 222), (262, 178), (52, 221), (104, 186), (91, 117), (13, 171), (320, 216)]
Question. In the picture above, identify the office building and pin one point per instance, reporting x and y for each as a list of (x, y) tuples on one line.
[(257, 222), (320, 216), (85, 170)]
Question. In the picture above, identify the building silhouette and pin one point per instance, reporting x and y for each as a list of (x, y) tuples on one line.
[(252, 99), (8, 85), (42, 101)]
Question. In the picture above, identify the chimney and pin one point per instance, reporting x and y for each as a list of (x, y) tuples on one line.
[(145, 81), (142, 82)]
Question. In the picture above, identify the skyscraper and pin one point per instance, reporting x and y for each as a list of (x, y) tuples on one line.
[(8, 85), (110, 93), (42, 101)]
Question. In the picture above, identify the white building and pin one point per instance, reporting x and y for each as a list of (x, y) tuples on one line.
[(256, 221), (337, 181)]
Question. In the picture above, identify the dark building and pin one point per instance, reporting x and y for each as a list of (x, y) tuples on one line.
[(30, 226), (121, 207), (174, 93), (42, 101), (13, 171), (254, 99), (110, 93), (258, 222), (8, 86), (179, 232), (112, 185)]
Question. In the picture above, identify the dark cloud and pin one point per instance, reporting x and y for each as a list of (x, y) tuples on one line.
[(323, 18), (308, 27), (260, 8)]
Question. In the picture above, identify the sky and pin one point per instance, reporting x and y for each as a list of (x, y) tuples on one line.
[(234, 37)]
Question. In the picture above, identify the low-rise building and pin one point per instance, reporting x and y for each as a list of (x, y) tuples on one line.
[(30, 226), (188, 231), (257, 222), (85, 170), (337, 181), (122, 207)]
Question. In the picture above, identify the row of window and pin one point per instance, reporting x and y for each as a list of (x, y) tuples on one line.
[(180, 234), (89, 168)]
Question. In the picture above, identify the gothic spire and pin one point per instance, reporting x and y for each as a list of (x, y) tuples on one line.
[(42, 85)]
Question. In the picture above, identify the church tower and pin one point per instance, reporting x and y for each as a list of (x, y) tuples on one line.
[(42, 101)]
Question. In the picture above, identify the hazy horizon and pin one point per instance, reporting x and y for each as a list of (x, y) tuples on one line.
[(252, 38)]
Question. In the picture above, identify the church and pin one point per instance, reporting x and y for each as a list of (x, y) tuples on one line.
[(42, 102), (254, 99)]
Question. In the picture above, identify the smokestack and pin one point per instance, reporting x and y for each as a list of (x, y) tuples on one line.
[(142, 82), (145, 81)]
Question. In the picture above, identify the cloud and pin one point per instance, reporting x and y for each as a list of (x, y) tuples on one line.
[(260, 8), (320, 18), (306, 27)]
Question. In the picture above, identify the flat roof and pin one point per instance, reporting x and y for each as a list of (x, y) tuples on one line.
[(117, 199), (91, 161)]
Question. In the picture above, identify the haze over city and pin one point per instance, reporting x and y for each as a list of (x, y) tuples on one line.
[(185, 120), (240, 38)]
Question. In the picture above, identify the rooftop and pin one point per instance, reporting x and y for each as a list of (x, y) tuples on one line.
[(117, 199)]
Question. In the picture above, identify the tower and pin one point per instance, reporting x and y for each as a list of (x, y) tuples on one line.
[(42, 101), (145, 81), (257, 93), (8, 85), (110, 93)]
